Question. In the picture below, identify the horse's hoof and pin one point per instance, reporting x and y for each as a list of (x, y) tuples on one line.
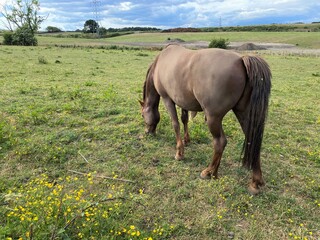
[(178, 157), (253, 190), (204, 175)]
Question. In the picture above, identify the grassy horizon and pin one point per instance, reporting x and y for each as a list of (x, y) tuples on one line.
[(300, 39)]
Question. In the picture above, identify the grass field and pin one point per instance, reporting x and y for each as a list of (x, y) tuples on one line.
[(75, 163), (301, 39)]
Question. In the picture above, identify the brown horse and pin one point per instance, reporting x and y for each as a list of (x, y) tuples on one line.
[(214, 81)]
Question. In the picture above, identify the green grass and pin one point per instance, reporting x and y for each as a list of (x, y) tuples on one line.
[(303, 39), (76, 109)]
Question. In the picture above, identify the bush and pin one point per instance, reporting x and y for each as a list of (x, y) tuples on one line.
[(25, 37), (8, 38), (22, 36), (219, 43)]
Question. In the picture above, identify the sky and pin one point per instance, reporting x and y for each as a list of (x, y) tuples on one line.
[(164, 14)]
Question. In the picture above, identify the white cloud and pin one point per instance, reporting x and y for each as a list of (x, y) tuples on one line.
[(70, 15), (125, 6)]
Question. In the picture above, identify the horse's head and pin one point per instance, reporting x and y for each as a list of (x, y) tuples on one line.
[(151, 118)]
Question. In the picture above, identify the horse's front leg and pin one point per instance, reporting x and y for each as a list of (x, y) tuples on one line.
[(171, 107), (185, 119)]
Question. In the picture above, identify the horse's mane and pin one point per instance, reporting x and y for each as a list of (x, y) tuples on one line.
[(149, 76)]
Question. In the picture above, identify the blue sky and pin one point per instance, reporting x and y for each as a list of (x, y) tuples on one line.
[(71, 15)]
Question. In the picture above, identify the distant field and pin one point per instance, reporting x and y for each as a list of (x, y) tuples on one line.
[(301, 39), (75, 163)]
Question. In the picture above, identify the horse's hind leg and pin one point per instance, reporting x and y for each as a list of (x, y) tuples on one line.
[(257, 179), (219, 143), (185, 119), (171, 107)]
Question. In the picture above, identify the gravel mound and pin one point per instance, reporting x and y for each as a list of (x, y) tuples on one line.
[(249, 47)]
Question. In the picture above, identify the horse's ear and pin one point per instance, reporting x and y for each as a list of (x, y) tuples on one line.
[(141, 103)]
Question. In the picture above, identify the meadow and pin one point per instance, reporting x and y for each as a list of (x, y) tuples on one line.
[(75, 163), (300, 39)]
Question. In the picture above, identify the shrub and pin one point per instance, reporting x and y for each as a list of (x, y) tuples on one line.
[(42, 60), (8, 38), (219, 43), (22, 36), (25, 37)]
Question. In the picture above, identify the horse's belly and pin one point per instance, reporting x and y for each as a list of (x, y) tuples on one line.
[(190, 105), (179, 93)]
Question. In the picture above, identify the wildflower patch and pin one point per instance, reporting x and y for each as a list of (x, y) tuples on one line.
[(67, 208)]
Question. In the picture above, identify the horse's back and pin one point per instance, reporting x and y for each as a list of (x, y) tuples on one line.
[(207, 79)]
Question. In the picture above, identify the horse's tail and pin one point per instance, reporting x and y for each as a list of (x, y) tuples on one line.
[(259, 78)]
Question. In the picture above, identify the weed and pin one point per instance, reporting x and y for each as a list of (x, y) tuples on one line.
[(140, 54), (65, 208), (316, 74), (42, 60), (90, 84), (110, 93)]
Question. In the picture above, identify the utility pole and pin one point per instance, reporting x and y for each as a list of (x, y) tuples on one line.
[(96, 12)]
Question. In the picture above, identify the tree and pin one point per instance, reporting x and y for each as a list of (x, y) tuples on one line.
[(102, 31), (52, 29), (23, 14), (90, 26)]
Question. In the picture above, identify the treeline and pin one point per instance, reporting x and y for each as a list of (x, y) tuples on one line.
[(189, 29), (299, 27), (134, 29), (314, 27)]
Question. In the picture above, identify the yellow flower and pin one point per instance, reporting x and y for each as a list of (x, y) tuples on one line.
[(132, 227)]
